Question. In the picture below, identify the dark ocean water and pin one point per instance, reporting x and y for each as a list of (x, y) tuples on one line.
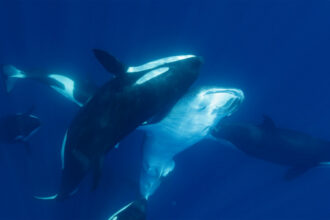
[(277, 52)]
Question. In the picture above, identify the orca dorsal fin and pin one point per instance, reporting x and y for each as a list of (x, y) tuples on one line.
[(110, 63), (268, 122)]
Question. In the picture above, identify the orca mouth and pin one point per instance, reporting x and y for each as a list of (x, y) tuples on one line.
[(236, 92), (233, 104), (228, 103)]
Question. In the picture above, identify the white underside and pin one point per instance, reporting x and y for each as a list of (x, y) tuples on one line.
[(185, 125), (68, 87)]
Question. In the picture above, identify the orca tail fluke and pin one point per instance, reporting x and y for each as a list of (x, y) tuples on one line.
[(135, 210), (46, 197), (9, 76)]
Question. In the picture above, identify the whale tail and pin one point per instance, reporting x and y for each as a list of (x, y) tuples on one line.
[(135, 210), (10, 74)]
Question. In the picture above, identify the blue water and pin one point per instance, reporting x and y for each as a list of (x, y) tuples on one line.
[(277, 52)]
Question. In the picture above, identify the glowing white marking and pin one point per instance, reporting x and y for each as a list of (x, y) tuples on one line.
[(114, 216), (32, 133), (63, 149), (12, 71), (168, 169), (46, 198), (325, 163), (188, 122), (157, 63), (152, 74), (116, 146), (68, 85)]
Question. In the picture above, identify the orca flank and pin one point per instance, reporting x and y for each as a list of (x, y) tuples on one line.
[(116, 109)]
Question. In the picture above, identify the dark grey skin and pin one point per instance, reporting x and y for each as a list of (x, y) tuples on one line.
[(286, 147), (18, 128), (114, 111)]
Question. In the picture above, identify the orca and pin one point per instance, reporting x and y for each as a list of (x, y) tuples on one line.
[(18, 128), (76, 90), (188, 122), (293, 149), (136, 95)]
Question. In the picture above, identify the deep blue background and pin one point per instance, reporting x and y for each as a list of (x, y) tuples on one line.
[(276, 51)]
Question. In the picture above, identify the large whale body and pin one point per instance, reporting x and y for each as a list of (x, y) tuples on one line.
[(134, 96), (188, 122), (266, 141)]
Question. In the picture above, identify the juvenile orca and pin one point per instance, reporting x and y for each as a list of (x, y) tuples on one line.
[(77, 90), (286, 147), (18, 128), (187, 123), (134, 96)]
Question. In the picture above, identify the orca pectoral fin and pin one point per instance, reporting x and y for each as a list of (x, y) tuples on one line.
[(135, 210), (295, 172), (168, 168), (110, 63)]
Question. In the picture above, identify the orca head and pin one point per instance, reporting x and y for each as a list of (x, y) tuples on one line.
[(212, 104)]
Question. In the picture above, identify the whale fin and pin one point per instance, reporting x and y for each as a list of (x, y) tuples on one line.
[(135, 210), (9, 76), (46, 197), (169, 168), (110, 63), (268, 122)]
